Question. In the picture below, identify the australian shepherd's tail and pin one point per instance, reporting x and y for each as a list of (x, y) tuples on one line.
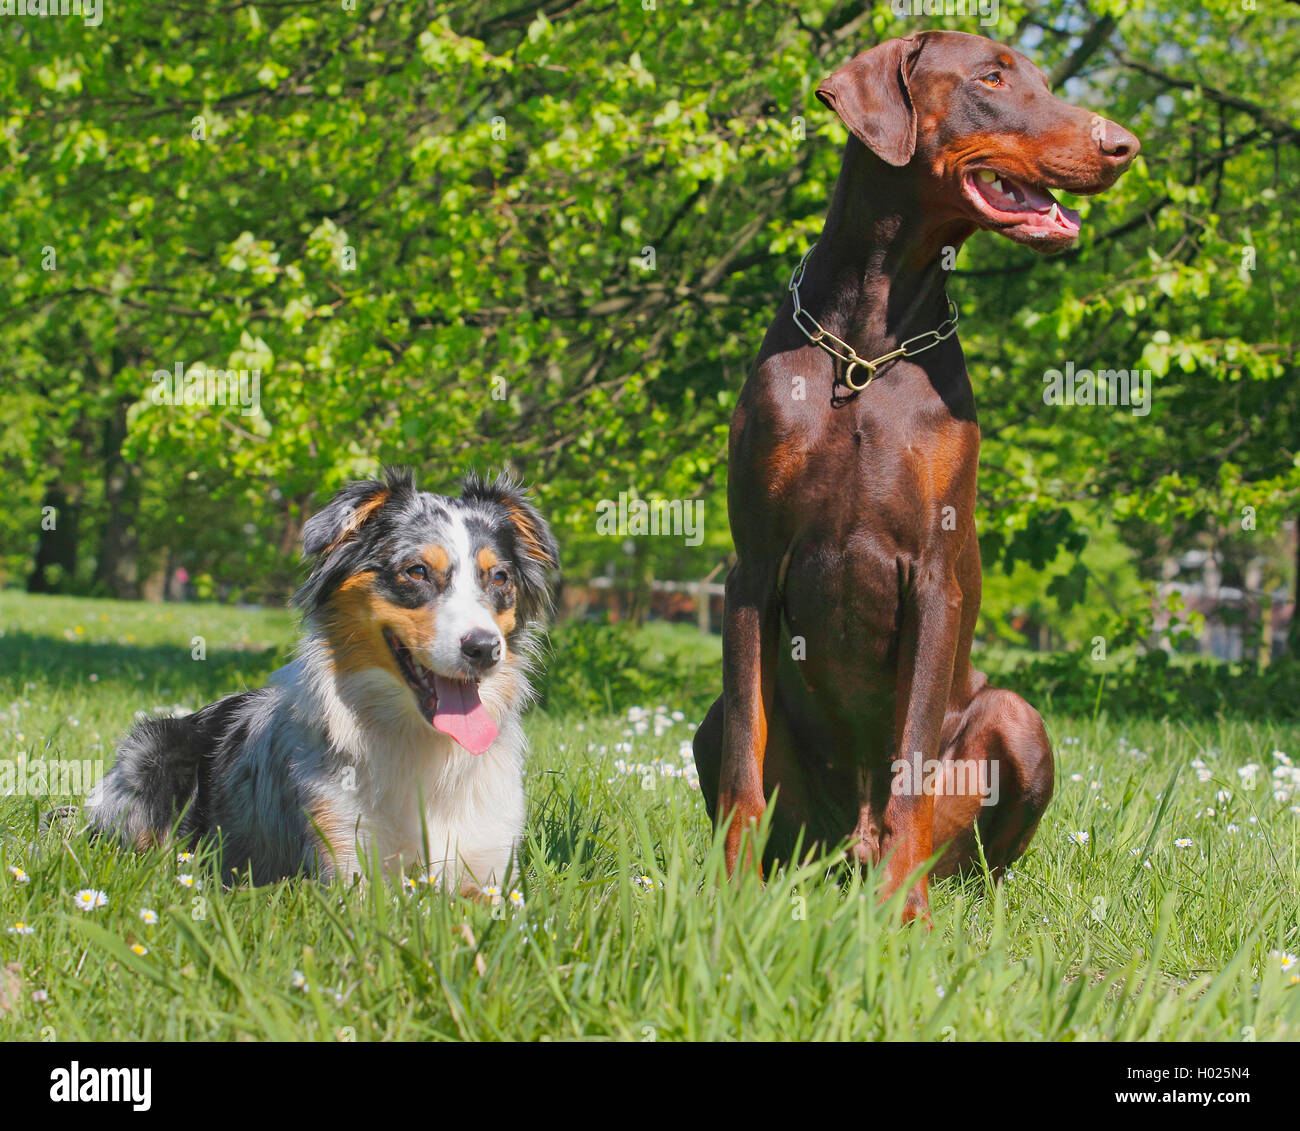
[(155, 789)]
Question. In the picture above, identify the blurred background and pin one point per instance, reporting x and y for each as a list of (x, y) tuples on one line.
[(550, 236)]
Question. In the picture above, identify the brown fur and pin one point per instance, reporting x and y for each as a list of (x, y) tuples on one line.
[(359, 516), (853, 512), (356, 621)]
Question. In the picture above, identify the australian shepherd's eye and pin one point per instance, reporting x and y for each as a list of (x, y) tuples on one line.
[(418, 572), (499, 577)]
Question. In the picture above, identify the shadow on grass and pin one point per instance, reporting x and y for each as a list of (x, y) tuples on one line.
[(62, 664)]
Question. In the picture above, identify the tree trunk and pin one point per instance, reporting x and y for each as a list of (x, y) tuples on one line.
[(117, 568), (55, 567), (1294, 634)]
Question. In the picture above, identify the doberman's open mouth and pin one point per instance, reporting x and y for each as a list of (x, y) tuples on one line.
[(451, 706), (1020, 209)]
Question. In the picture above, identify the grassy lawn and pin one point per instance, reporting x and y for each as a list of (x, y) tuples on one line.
[(1157, 902)]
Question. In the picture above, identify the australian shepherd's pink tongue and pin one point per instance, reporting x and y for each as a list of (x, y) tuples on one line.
[(460, 713)]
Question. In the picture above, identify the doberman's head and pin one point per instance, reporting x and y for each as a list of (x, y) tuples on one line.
[(986, 138)]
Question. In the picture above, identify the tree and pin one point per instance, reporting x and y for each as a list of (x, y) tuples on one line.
[(551, 236)]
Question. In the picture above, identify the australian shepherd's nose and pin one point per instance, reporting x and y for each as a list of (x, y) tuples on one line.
[(395, 730)]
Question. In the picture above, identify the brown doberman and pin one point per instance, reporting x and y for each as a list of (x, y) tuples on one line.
[(850, 610)]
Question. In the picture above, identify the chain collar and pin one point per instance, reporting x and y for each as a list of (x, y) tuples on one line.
[(816, 333)]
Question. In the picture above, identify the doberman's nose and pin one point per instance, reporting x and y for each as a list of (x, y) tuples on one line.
[(1118, 146), (481, 648)]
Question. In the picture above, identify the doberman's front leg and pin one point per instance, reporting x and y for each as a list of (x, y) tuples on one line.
[(751, 624), (927, 648)]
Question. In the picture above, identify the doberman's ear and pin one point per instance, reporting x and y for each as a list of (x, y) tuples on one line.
[(870, 95)]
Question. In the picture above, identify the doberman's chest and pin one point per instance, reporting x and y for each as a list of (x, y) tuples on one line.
[(886, 474), (868, 507)]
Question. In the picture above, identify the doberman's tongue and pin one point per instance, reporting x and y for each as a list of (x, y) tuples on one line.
[(461, 714), (1035, 197)]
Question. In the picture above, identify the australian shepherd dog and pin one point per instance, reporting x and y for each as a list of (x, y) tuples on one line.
[(395, 731)]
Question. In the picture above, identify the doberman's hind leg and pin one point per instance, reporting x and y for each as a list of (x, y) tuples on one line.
[(997, 773)]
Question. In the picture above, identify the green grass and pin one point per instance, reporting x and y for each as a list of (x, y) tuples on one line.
[(1083, 943)]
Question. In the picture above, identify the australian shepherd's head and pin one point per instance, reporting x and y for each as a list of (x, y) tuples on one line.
[(427, 608)]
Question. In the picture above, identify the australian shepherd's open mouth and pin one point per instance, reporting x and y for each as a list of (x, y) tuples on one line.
[(1015, 207), (451, 706)]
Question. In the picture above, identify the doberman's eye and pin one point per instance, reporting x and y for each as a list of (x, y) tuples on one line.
[(418, 572), (991, 79)]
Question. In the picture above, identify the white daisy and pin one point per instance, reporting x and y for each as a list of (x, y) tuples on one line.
[(19, 929), (148, 916), (88, 899), (1080, 837), (20, 877)]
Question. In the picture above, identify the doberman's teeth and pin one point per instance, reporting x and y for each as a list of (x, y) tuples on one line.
[(998, 186), (988, 176)]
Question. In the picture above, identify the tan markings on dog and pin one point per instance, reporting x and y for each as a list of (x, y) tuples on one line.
[(785, 464), (936, 467), (146, 839), (437, 559), (1053, 156), (358, 517), (355, 621), (331, 830), (528, 535), (486, 559)]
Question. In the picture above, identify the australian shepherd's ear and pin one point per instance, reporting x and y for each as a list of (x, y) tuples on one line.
[(347, 512), (535, 552)]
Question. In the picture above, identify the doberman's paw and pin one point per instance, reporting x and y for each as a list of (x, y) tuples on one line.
[(917, 908)]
